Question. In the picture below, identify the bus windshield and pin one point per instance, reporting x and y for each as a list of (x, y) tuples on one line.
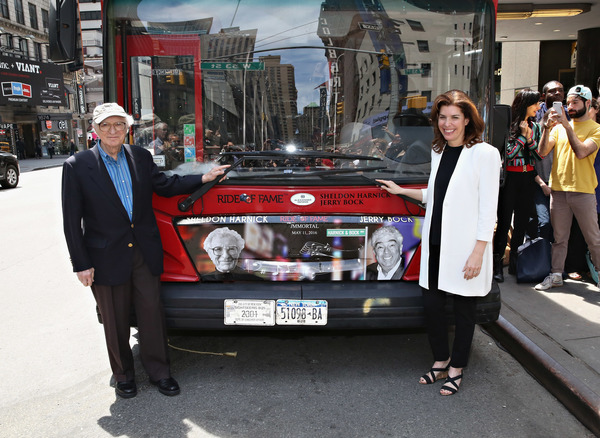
[(301, 87)]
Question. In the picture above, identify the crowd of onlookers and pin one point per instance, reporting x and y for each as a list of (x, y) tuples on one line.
[(550, 188)]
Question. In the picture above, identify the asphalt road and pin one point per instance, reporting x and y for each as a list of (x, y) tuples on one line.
[(55, 374)]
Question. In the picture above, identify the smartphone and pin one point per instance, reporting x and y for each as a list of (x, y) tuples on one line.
[(558, 107)]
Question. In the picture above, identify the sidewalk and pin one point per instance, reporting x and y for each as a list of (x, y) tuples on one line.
[(564, 324), (30, 164)]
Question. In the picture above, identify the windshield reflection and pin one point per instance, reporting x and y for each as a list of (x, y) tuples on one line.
[(354, 77)]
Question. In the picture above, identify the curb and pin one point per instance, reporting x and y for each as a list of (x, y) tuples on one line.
[(33, 169), (577, 397)]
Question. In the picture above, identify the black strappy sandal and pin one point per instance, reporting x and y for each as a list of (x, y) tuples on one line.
[(447, 385), (443, 372)]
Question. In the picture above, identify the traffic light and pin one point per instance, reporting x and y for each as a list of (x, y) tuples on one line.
[(181, 77), (339, 107), (417, 102), (170, 79)]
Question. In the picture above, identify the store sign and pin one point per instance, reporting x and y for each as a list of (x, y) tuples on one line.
[(81, 99), (30, 82), (55, 125)]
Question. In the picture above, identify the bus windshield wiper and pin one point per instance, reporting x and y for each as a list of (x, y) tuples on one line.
[(187, 203), (307, 173), (269, 155)]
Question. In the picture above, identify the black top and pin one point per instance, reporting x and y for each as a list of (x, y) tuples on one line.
[(442, 179)]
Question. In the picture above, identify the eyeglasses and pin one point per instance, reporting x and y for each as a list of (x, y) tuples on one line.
[(218, 250), (118, 126)]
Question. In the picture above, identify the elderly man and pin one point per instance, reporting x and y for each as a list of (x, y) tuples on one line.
[(224, 247), (115, 246), (387, 246), (160, 142), (573, 179)]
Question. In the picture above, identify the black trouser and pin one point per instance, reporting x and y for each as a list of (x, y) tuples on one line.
[(143, 292), (434, 301), (516, 196)]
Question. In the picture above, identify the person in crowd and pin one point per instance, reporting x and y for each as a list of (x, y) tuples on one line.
[(72, 148), (552, 92), (517, 194), (387, 247), (573, 179), (576, 264), (224, 247), (456, 249), (113, 240), (159, 144), (38, 148), (20, 149), (50, 147), (379, 147), (396, 149), (595, 110)]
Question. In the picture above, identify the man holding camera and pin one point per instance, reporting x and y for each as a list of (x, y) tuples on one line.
[(573, 179)]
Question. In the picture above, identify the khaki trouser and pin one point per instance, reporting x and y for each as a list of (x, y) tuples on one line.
[(563, 205)]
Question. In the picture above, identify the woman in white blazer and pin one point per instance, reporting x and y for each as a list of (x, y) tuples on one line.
[(456, 248)]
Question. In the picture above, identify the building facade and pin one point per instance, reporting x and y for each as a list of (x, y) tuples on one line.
[(37, 99)]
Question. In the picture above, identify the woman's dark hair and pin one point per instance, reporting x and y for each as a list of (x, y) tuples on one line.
[(523, 100), (473, 130)]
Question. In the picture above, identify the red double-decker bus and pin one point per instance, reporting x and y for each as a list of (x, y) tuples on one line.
[(310, 102)]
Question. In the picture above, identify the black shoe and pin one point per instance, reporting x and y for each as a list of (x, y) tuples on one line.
[(168, 386), (499, 277), (498, 269), (126, 389)]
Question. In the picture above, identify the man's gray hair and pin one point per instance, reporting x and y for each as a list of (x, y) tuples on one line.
[(221, 232), (388, 230)]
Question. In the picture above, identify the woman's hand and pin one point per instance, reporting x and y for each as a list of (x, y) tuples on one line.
[(473, 266), (214, 173), (395, 189), (526, 130), (523, 126), (390, 186)]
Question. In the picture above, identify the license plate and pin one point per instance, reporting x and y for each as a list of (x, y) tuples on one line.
[(250, 312), (301, 312)]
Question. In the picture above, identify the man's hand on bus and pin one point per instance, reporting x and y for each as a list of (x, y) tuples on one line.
[(214, 173), (86, 277)]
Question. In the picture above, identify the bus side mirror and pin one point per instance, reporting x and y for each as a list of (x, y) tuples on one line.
[(501, 117), (65, 34)]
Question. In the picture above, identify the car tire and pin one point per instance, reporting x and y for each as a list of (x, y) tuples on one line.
[(12, 178)]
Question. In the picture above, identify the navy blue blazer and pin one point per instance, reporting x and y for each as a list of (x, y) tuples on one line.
[(97, 227)]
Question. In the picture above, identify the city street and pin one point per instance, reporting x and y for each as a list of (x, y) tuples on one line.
[(55, 373)]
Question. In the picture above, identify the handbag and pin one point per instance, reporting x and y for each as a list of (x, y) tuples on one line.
[(534, 260)]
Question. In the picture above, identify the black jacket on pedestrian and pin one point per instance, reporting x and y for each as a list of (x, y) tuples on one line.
[(97, 228)]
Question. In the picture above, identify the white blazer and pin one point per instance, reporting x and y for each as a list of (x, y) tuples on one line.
[(468, 215)]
